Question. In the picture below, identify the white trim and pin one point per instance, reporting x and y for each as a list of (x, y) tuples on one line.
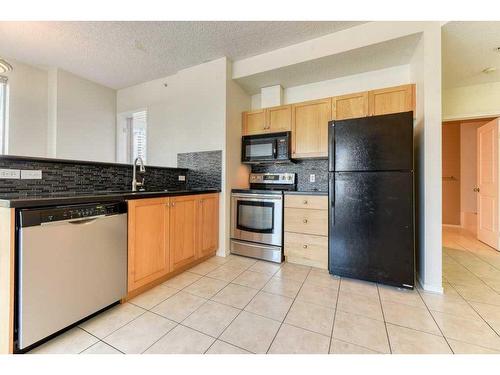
[(477, 116), (430, 288)]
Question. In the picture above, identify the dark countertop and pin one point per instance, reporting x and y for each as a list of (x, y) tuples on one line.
[(306, 192), (26, 200)]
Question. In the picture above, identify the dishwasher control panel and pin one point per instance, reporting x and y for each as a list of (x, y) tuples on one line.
[(32, 217)]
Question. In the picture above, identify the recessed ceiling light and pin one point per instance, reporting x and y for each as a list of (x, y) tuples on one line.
[(489, 70), (5, 66)]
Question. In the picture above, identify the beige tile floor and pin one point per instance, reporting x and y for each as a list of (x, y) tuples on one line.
[(240, 305)]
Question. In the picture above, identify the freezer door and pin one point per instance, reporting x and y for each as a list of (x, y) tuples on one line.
[(371, 226), (376, 143)]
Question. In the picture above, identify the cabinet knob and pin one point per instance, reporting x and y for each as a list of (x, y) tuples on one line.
[(304, 246), (305, 201), (304, 221), (173, 204)]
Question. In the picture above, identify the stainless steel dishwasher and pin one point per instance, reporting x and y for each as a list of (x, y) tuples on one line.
[(72, 262)]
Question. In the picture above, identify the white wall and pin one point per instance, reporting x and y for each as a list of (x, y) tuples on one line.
[(27, 110), (393, 76), (186, 116), (425, 70), (470, 102), (236, 174), (86, 119)]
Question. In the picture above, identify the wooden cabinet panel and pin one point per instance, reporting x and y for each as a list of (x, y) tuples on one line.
[(208, 224), (148, 242), (254, 122), (391, 100), (306, 221), (183, 224), (318, 202), (306, 249), (279, 119), (310, 128), (350, 106)]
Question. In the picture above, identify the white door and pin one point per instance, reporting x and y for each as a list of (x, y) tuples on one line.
[(487, 180)]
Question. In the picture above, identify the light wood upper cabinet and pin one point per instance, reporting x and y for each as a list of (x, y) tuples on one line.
[(279, 119), (183, 225), (310, 128), (267, 120), (254, 122), (208, 224), (350, 106), (148, 242), (391, 100)]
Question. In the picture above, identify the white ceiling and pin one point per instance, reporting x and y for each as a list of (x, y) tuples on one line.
[(468, 48), (121, 54), (377, 56)]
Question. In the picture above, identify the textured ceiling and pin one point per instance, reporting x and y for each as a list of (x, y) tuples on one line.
[(467, 49), (377, 56), (121, 54)]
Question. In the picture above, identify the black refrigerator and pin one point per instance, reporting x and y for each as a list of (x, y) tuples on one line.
[(371, 213)]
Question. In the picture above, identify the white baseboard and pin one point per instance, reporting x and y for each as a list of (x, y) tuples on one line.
[(438, 289)]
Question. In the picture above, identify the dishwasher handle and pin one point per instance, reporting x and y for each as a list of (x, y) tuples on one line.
[(83, 220)]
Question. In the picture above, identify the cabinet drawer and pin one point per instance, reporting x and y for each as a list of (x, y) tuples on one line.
[(300, 220), (318, 202), (306, 249)]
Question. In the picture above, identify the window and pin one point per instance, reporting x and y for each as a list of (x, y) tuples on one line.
[(132, 136), (3, 114), (137, 125)]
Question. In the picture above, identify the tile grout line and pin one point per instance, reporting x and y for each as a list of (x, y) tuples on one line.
[(335, 315), (383, 317), (435, 322), (180, 323), (241, 310), (293, 301)]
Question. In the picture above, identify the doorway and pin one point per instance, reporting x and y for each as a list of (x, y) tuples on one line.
[(460, 173)]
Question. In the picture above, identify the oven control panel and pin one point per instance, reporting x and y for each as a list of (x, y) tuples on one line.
[(272, 178)]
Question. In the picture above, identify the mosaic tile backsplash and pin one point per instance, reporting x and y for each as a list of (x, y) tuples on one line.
[(303, 168), (60, 176), (204, 168)]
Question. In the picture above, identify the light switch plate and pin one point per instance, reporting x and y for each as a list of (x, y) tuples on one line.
[(312, 178), (182, 178), (10, 173), (31, 174)]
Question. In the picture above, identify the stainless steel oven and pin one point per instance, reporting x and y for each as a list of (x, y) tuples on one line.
[(266, 148), (257, 217)]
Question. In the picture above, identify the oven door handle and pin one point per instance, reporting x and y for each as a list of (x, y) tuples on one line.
[(257, 198)]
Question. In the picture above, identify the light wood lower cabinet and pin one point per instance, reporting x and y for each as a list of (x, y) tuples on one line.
[(168, 234), (208, 225), (148, 241), (306, 230)]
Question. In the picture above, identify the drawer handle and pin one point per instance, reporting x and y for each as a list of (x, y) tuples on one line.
[(304, 246), (304, 221), (305, 201)]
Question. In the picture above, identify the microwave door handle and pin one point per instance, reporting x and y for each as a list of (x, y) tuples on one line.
[(275, 149)]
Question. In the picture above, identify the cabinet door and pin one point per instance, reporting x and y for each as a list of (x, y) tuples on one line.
[(148, 242), (254, 122), (391, 100), (183, 223), (279, 119), (208, 225), (350, 106), (310, 128)]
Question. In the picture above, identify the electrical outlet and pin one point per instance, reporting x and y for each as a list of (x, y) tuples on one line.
[(182, 178), (312, 178), (31, 174), (10, 173)]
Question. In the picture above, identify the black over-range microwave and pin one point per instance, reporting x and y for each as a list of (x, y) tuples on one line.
[(266, 148)]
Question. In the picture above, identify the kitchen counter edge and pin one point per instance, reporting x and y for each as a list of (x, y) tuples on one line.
[(95, 198), (305, 193)]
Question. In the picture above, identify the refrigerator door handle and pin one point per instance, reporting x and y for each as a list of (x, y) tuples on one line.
[(331, 146), (332, 197)]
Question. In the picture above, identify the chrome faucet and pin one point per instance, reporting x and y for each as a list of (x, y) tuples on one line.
[(142, 170)]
